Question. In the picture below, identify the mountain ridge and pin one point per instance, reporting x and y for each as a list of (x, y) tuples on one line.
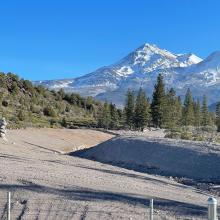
[(141, 68)]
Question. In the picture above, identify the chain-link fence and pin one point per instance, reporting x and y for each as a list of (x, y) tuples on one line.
[(21, 206)]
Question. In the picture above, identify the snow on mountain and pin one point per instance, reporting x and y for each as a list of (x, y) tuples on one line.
[(141, 68)]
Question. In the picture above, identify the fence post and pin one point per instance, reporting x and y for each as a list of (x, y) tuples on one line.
[(212, 208), (9, 205), (151, 209)]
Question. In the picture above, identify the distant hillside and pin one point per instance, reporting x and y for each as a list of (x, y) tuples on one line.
[(26, 105)]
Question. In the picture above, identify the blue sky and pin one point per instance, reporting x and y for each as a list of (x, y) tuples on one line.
[(51, 39)]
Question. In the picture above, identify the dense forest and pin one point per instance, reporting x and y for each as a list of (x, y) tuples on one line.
[(26, 105)]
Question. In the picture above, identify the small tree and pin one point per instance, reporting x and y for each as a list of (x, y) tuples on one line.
[(64, 122), (21, 115), (49, 111)]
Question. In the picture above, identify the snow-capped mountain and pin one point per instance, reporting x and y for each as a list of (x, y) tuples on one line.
[(141, 68)]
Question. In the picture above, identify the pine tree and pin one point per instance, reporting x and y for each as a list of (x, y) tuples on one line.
[(141, 113), (129, 108), (179, 111), (188, 109), (103, 116), (173, 106), (197, 113), (205, 113), (106, 117), (114, 121), (218, 116), (158, 102)]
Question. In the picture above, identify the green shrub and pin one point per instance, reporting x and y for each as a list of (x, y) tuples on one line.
[(49, 111), (186, 135), (173, 135), (5, 103), (21, 115), (35, 109)]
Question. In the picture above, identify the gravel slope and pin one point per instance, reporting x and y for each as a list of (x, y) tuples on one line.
[(49, 185), (195, 160)]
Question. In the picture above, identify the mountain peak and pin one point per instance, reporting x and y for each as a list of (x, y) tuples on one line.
[(154, 49), (141, 67), (149, 46)]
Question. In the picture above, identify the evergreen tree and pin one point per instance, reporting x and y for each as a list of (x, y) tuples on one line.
[(197, 113), (218, 116), (106, 117), (114, 121), (179, 111), (158, 102), (188, 109), (141, 114), (129, 108), (205, 113), (173, 109)]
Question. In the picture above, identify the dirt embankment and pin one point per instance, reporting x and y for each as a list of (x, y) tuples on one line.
[(58, 140), (198, 161)]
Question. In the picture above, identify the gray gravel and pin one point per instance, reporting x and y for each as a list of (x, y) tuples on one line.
[(49, 185)]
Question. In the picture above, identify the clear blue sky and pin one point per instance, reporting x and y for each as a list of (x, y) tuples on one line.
[(51, 39)]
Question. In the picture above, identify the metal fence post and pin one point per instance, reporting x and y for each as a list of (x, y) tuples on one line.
[(9, 205), (212, 208), (151, 209)]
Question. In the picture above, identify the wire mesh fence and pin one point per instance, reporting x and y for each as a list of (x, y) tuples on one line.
[(19, 205)]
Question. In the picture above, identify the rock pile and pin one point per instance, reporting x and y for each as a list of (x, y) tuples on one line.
[(3, 125)]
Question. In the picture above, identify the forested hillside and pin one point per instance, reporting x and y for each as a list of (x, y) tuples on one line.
[(26, 105)]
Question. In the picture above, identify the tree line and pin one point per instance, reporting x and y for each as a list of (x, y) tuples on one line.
[(24, 104), (166, 109)]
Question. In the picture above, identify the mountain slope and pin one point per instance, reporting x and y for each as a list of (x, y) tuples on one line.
[(25, 105), (141, 68)]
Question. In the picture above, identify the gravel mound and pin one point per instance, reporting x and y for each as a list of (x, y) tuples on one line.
[(198, 161)]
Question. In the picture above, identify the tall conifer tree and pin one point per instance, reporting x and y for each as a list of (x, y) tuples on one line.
[(205, 112), (188, 109), (197, 113), (218, 116), (172, 115), (114, 121), (141, 114), (158, 102), (129, 108), (106, 116)]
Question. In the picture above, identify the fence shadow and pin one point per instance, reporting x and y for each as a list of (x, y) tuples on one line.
[(86, 194)]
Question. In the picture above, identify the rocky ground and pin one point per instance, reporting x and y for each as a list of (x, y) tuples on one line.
[(47, 184)]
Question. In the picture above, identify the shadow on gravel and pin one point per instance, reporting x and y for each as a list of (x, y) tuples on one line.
[(85, 194), (131, 175), (157, 157)]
